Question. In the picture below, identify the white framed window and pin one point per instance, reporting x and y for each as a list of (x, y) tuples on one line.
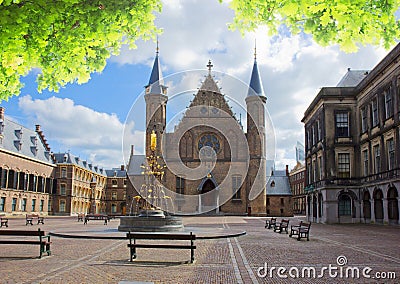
[(33, 205), (180, 185), (342, 124), (63, 172), (343, 165), (375, 112), (377, 160), (62, 205), (364, 119), (365, 162), (236, 183), (391, 154), (388, 103), (62, 189)]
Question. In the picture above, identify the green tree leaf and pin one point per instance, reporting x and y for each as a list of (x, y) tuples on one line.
[(67, 40), (346, 23)]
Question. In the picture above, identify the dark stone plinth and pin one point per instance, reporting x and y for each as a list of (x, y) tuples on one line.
[(152, 213), (150, 223)]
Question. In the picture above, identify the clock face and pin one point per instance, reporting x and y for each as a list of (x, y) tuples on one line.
[(209, 140)]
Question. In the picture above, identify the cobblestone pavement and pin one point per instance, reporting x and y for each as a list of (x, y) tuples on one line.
[(232, 260)]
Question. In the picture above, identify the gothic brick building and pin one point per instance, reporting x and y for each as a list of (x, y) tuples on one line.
[(205, 170)]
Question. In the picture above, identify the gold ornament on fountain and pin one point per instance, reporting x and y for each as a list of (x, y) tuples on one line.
[(153, 140)]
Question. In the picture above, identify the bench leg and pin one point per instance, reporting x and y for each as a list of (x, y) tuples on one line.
[(133, 253)]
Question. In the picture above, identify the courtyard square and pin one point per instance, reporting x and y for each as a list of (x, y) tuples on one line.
[(226, 260)]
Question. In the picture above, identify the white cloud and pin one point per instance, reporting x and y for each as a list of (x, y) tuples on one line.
[(93, 135), (293, 68)]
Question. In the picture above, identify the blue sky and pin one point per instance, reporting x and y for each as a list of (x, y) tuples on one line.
[(89, 119)]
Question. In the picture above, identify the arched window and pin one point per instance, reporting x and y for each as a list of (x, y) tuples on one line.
[(366, 205), (378, 204), (393, 206), (344, 205)]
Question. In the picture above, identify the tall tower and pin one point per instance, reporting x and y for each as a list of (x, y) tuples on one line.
[(256, 135), (156, 104)]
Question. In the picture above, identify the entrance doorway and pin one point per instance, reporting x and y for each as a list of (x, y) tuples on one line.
[(209, 197)]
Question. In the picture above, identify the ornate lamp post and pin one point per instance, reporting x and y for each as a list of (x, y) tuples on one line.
[(154, 172), (92, 209)]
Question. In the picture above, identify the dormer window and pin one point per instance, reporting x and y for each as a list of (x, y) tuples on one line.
[(65, 158), (18, 133), (34, 150), (34, 140), (1, 127), (18, 144), (273, 183)]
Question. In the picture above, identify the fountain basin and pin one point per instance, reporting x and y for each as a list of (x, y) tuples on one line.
[(150, 223)]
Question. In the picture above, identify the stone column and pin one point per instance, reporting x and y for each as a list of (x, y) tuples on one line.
[(372, 210), (398, 209), (385, 211), (357, 208), (362, 219)]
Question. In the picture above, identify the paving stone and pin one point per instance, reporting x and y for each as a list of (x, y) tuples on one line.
[(236, 260)]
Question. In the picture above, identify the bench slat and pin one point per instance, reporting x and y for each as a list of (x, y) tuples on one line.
[(161, 236), (27, 242), (21, 233), (162, 246)]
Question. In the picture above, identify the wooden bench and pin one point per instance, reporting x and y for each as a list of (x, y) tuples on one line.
[(89, 217), (80, 217), (282, 226), (155, 236), (28, 219), (3, 221), (301, 231), (40, 219), (270, 223), (43, 241)]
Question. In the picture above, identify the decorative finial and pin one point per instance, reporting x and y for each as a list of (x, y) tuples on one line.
[(255, 49), (209, 65), (157, 49)]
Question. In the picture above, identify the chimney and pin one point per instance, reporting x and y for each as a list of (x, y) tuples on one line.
[(132, 150), (2, 113), (37, 127), (287, 170), (122, 168)]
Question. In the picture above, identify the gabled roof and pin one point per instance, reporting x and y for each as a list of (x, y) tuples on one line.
[(352, 78), (116, 172), (255, 87), (134, 164), (68, 158), (210, 85), (24, 141), (278, 184)]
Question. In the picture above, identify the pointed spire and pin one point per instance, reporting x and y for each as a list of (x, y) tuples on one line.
[(156, 81), (255, 87), (255, 49)]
